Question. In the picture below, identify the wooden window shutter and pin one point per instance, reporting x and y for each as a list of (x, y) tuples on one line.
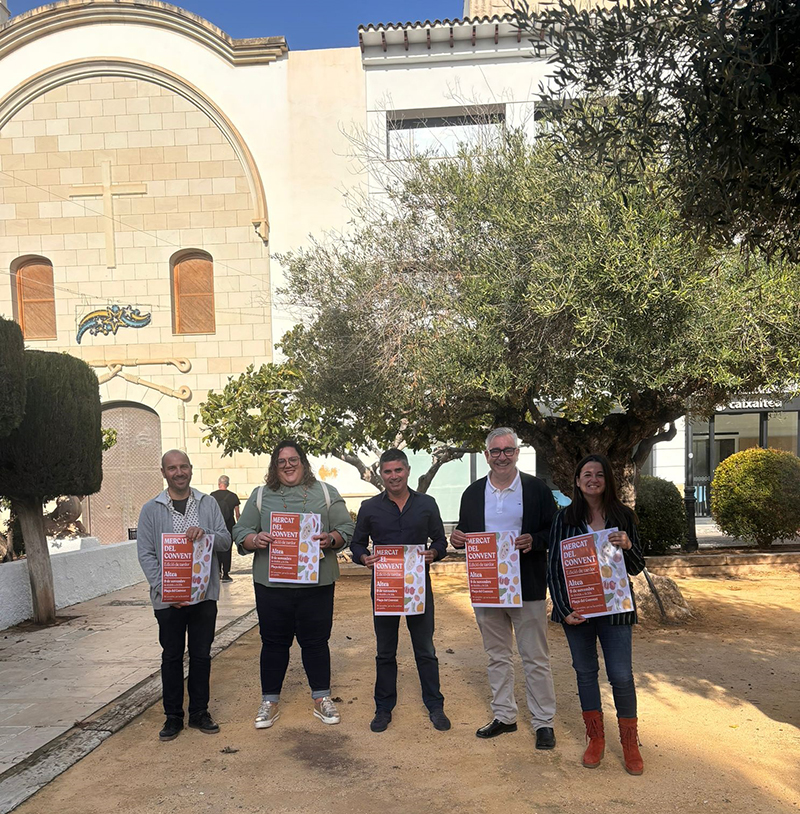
[(36, 302), (193, 296)]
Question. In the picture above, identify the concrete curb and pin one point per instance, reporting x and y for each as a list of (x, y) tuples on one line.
[(694, 565), (22, 781)]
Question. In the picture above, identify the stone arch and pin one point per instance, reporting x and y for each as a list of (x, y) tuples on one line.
[(76, 70), (67, 14)]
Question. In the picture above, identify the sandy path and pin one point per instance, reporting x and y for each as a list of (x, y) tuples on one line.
[(719, 715)]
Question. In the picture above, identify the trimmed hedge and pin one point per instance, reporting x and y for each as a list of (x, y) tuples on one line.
[(12, 376), (755, 495), (58, 447), (662, 516)]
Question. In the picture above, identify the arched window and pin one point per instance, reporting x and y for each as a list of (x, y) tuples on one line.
[(192, 293), (34, 297)]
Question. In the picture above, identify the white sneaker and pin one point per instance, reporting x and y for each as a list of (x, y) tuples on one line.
[(268, 713), (326, 711)]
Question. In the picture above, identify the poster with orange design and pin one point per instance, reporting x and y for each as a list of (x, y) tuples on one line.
[(399, 580), (185, 568), (293, 555), (595, 574), (493, 570)]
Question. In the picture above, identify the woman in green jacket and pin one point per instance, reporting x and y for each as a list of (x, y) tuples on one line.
[(289, 610)]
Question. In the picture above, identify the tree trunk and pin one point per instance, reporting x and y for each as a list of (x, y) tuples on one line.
[(625, 440), (40, 571)]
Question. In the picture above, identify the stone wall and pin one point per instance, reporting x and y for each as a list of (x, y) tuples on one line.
[(77, 576)]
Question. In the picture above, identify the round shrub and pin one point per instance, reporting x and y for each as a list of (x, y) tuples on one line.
[(755, 495), (662, 517)]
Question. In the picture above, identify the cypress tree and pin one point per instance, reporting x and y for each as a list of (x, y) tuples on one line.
[(12, 376), (55, 450)]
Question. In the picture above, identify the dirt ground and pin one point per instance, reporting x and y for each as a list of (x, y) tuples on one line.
[(719, 708)]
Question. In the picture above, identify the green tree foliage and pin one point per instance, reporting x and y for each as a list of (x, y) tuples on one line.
[(109, 438), (508, 288), (56, 450), (661, 513), (711, 89), (261, 407), (12, 376), (755, 495)]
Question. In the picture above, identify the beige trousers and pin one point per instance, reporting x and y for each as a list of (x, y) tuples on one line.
[(498, 627)]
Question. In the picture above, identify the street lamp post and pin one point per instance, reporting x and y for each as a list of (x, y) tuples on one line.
[(689, 500)]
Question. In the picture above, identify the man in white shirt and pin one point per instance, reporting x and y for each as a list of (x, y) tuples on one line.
[(510, 500)]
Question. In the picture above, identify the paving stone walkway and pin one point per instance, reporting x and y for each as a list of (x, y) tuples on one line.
[(53, 677)]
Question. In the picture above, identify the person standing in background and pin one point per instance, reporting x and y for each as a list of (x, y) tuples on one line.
[(228, 503)]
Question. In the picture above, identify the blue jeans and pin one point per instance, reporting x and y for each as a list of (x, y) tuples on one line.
[(421, 630), (616, 643)]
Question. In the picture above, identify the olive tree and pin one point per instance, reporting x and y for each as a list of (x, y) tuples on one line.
[(505, 287), (260, 407), (711, 89)]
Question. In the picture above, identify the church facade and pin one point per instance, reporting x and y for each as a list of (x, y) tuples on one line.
[(150, 165)]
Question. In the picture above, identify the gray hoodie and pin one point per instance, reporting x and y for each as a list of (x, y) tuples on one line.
[(155, 520)]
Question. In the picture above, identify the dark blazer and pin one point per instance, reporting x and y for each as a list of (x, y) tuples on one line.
[(538, 510)]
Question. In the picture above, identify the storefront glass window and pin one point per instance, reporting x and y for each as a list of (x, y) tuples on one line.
[(782, 431), (733, 433)]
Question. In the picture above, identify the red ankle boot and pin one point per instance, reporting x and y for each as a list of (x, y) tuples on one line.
[(629, 738), (596, 737)]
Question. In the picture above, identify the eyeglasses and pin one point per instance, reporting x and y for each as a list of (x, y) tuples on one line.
[(284, 462), (496, 452)]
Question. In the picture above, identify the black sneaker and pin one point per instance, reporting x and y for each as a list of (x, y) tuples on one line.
[(204, 722), (226, 578), (381, 720), (171, 730)]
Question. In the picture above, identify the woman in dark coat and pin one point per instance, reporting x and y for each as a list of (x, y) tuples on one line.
[(596, 506)]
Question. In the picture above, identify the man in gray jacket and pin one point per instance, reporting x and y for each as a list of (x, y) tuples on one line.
[(179, 509)]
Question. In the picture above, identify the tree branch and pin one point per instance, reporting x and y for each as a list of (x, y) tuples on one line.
[(646, 446), (439, 457), (367, 473)]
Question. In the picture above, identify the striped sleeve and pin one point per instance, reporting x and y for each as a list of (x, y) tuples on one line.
[(555, 571)]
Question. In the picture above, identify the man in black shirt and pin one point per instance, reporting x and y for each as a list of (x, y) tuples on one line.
[(229, 506), (401, 516)]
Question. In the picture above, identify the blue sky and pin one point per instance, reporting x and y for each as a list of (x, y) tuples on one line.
[(309, 24)]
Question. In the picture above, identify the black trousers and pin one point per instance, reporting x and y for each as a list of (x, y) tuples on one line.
[(286, 613), (224, 558), (421, 630), (173, 625)]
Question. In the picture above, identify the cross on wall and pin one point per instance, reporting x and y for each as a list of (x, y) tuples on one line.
[(108, 191)]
